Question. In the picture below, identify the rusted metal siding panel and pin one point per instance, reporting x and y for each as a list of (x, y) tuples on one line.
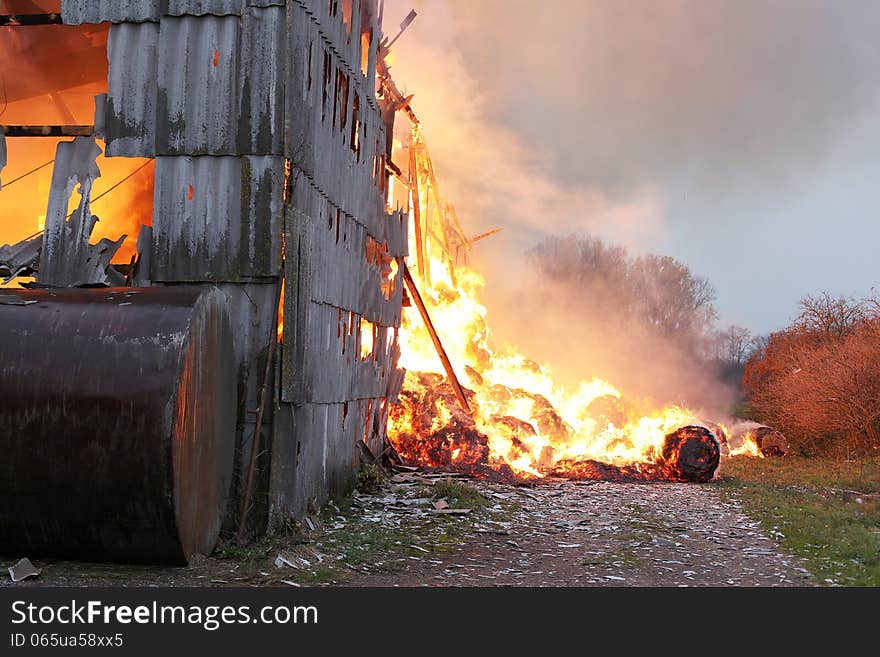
[(221, 84), (77, 12), (345, 45), (316, 144), (204, 7), (318, 452), (132, 82), (198, 85), (351, 283), (303, 86), (334, 369), (251, 311), (263, 60), (330, 287), (336, 210), (217, 218)]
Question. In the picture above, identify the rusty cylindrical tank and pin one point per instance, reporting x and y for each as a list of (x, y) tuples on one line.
[(117, 423)]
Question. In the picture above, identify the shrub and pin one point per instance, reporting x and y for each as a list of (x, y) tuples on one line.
[(818, 381)]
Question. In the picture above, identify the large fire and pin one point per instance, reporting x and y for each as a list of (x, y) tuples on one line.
[(531, 425), (51, 75), (517, 421)]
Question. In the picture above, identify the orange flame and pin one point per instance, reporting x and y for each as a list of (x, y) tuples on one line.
[(521, 420), (749, 447)]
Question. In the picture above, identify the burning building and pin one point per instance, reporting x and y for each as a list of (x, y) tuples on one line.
[(267, 150), (286, 252)]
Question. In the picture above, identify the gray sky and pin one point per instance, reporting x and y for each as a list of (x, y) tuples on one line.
[(741, 137)]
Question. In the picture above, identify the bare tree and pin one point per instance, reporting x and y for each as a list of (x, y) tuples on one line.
[(830, 316), (732, 345), (656, 291)]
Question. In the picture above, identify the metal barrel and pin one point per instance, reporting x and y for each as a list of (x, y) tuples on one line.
[(117, 423)]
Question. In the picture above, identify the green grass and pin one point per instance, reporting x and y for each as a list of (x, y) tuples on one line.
[(371, 479), (826, 511), (459, 494)]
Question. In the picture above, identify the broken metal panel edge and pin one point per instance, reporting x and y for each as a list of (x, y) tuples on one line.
[(78, 12), (75, 164)]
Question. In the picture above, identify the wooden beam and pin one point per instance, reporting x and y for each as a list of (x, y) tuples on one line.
[(417, 211), (483, 236), (444, 358), (26, 20), (47, 130)]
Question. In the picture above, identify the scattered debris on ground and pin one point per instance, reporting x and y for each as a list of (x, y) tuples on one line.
[(23, 570), (423, 529)]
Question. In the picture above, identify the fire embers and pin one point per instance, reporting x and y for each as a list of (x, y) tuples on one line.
[(690, 454), (434, 432), (429, 428)]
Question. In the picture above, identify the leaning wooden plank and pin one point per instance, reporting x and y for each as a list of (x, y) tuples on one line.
[(417, 212), (48, 130), (27, 20), (444, 358)]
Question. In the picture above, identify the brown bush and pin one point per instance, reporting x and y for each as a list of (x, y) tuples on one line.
[(819, 380)]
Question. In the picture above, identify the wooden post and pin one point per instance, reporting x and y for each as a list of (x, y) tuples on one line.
[(417, 210), (24, 20), (264, 394), (47, 130), (447, 364)]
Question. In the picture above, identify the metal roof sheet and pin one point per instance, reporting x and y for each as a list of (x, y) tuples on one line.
[(77, 12)]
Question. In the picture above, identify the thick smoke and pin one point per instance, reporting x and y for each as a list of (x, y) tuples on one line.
[(574, 117), (628, 93)]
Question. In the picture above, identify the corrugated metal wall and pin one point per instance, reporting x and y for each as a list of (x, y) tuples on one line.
[(337, 211), (264, 128)]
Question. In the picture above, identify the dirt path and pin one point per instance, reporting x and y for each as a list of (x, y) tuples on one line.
[(558, 533), (606, 534)]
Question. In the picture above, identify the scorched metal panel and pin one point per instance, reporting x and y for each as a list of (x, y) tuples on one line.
[(217, 218), (77, 12), (131, 102), (198, 85)]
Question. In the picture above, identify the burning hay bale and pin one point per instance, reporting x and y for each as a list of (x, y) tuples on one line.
[(769, 441), (608, 409), (432, 429), (689, 454), (439, 434), (721, 434), (753, 439)]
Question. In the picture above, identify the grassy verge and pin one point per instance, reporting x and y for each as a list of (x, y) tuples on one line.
[(827, 512)]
